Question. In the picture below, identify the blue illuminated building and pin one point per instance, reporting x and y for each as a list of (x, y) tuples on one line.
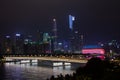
[(71, 19)]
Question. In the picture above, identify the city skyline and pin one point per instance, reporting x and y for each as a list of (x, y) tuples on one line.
[(98, 20)]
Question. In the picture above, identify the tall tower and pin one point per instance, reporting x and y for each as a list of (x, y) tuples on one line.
[(76, 39), (55, 33), (71, 20), (71, 28)]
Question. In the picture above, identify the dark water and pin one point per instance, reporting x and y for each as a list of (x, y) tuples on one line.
[(12, 71)]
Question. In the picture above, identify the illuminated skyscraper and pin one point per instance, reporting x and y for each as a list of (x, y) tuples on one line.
[(76, 39), (71, 20), (55, 33)]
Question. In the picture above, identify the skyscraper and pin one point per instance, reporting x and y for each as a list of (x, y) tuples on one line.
[(19, 42), (71, 20), (76, 39), (7, 45), (46, 45), (55, 34), (39, 36), (46, 38), (71, 36)]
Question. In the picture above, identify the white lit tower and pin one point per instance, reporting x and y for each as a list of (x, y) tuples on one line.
[(55, 33)]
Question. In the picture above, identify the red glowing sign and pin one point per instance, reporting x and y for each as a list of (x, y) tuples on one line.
[(93, 51)]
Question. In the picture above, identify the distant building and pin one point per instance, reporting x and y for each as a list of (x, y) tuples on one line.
[(63, 46), (71, 20), (112, 48), (93, 51), (30, 48), (47, 43), (28, 39), (55, 36), (46, 38), (19, 42), (76, 39), (7, 45), (34, 48), (37, 47), (39, 36)]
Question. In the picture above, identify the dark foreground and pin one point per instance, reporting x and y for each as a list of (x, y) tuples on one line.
[(95, 69)]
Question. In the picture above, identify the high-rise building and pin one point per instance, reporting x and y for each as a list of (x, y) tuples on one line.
[(30, 48), (19, 42), (76, 39), (7, 45), (28, 39), (46, 45), (46, 38), (39, 36), (71, 20), (55, 34)]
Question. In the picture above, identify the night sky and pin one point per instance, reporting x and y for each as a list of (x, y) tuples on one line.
[(98, 20)]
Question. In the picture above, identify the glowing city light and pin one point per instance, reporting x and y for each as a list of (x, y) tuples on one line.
[(54, 20), (7, 36), (71, 19), (93, 51), (17, 34)]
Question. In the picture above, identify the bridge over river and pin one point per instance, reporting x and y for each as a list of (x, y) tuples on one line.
[(62, 59)]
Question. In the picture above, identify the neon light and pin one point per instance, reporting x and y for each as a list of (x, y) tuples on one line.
[(93, 51)]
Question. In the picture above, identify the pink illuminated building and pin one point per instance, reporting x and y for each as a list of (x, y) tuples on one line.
[(93, 51)]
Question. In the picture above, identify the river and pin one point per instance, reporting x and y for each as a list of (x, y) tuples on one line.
[(33, 71)]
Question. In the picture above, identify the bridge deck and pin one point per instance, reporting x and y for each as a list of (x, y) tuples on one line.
[(51, 59)]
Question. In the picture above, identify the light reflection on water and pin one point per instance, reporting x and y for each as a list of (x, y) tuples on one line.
[(32, 71)]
